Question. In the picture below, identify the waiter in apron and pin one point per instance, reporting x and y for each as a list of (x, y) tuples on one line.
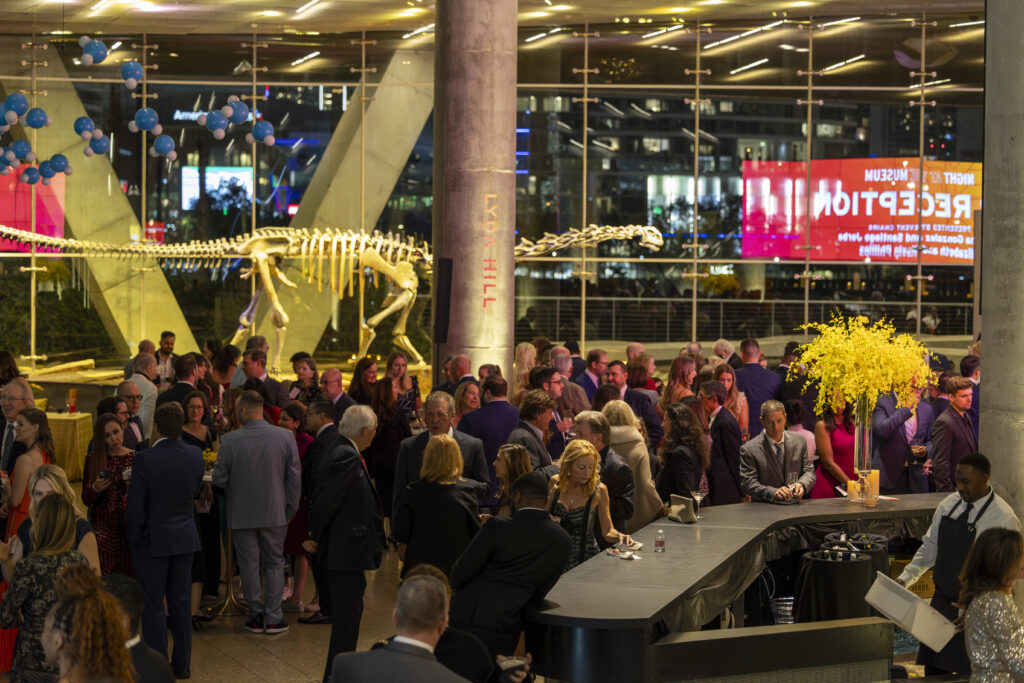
[(959, 518)]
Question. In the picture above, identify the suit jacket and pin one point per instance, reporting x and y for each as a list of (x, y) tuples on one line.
[(148, 405), (557, 440), (735, 361), (131, 440), (681, 473), (474, 466), (579, 366), (644, 409), (17, 448), (781, 370), (891, 447), (573, 399), (150, 665), (588, 385), (159, 514), (436, 522), (760, 385), (939, 405), (259, 467), (511, 563), (762, 474), (341, 404), (393, 663), (344, 515), (952, 438), (618, 477), (492, 423), (524, 435), (323, 444), (972, 412), (627, 442), (176, 393), (724, 472)]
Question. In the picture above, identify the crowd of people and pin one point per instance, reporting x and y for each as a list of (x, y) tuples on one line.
[(489, 489)]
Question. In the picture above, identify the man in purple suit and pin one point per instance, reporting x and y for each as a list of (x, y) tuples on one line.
[(953, 434), (759, 384), (491, 423), (903, 443), (590, 379)]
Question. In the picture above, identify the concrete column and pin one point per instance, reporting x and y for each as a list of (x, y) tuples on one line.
[(474, 180), (1002, 292)]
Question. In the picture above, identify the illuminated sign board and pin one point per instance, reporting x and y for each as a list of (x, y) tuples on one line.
[(861, 209)]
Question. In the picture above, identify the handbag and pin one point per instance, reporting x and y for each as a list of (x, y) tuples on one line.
[(681, 509)]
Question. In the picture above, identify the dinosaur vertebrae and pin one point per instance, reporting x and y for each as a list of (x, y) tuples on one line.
[(650, 237)]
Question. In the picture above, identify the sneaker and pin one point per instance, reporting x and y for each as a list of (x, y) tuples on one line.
[(255, 625), (271, 629)]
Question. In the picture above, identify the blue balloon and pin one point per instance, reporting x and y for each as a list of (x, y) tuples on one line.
[(21, 148), (100, 145), (163, 144), (96, 49), (261, 129), (239, 112), (17, 103), (46, 170), (83, 124), (3, 157), (132, 69), (58, 162), (31, 175), (36, 118), (215, 120), (146, 118)]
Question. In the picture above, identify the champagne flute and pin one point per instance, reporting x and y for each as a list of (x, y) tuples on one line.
[(791, 480), (698, 496)]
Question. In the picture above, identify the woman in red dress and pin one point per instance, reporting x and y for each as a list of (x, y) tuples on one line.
[(104, 488), (833, 438), (293, 418)]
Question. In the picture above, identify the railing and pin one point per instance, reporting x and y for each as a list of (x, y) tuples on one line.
[(666, 320)]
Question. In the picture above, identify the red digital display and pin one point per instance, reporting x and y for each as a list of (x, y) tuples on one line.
[(861, 209)]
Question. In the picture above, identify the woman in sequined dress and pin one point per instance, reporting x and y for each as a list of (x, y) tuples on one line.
[(994, 626), (104, 488)]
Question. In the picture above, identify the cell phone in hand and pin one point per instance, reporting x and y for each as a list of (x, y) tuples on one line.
[(103, 474), (513, 663)]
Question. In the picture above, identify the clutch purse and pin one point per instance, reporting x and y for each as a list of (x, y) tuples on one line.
[(681, 510)]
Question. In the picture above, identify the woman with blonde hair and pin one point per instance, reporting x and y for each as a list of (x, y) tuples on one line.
[(577, 497), (467, 399), (512, 461), (436, 516), (627, 440), (31, 594), (735, 400), (525, 360)]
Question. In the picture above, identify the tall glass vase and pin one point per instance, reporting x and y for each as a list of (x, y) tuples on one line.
[(862, 452)]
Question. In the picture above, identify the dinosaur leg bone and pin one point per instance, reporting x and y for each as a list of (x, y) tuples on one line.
[(248, 315)]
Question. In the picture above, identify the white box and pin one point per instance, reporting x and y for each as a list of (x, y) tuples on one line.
[(910, 612)]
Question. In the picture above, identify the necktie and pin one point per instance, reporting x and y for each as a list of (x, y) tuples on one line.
[(8, 445), (910, 428), (967, 513)]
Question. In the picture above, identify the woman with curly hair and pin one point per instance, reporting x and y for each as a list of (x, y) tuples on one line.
[(735, 400), (525, 360), (83, 636), (685, 454), (577, 498)]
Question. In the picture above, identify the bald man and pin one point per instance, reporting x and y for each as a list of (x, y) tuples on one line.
[(332, 389), (15, 397)]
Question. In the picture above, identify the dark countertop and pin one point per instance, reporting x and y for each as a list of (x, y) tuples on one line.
[(606, 592)]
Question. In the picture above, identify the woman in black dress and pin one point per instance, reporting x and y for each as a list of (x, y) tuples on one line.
[(363, 379), (392, 427), (436, 517), (685, 454), (206, 563)]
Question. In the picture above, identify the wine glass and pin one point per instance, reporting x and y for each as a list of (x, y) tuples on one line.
[(698, 496), (791, 480)]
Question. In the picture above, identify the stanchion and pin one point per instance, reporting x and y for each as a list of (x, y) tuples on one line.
[(228, 606)]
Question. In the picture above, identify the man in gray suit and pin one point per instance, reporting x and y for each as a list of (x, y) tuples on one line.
[(421, 617), (775, 465), (259, 466)]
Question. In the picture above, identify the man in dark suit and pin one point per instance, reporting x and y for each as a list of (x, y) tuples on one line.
[(591, 378), (768, 460), (788, 358), (578, 364), (896, 430), (186, 371), (970, 367), (421, 617), (535, 415), (616, 474), (15, 397), (550, 381), (134, 430), (346, 530), (492, 423), (149, 664), (759, 384), (333, 390), (511, 563), (320, 423), (461, 371), (641, 403), (254, 366), (724, 349), (724, 472), (953, 434), (162, 535), (439, 409)]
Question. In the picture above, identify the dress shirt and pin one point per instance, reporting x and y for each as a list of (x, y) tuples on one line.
[(414, 643), (164, 369), (999, 516), (129, 644), (711, 420), (622, 391)]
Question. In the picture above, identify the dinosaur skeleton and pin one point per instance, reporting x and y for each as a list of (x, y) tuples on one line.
[(344, 253)]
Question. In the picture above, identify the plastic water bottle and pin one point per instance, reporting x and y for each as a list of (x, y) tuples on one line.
[(659, 542)]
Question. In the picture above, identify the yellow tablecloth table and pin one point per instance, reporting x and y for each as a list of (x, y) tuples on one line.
[(71, 434)]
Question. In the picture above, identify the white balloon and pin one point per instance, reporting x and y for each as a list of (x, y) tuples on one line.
[(152, 152), (46, 181), (172, 155), (231, 100), (31, 156), (219, 134), (49, 121), (68, 171), (249, 139), (87, 60), (269, 141), (88, 151), (97, 134), (10, 156), (226, 110), (24, 177), (133, 127), (87, 135), (83, 40), (201, 120), (11, 118), (157, 129)]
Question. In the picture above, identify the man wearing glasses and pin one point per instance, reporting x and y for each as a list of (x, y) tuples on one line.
[(134, 429), (144, 379), (333, 391), (14, 398)]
